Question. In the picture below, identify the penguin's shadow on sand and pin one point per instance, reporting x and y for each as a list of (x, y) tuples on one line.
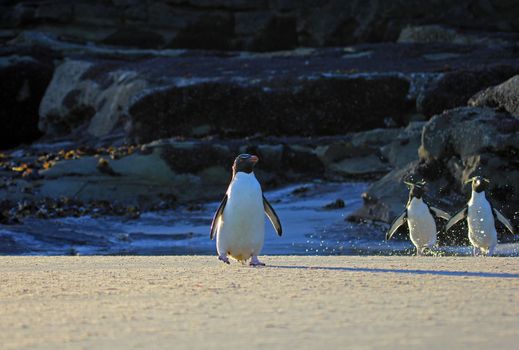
[(401, 271)]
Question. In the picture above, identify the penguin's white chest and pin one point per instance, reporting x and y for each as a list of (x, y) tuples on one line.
[(480, 220), (422, 228), (242, 229)]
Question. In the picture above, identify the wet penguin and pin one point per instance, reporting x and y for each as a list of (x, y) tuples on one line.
[(239, 221), (480, 219), (420, 219)]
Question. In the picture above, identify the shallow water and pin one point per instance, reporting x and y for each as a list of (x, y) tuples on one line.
[(309, 229)]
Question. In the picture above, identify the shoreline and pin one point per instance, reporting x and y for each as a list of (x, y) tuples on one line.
[(161, 302)]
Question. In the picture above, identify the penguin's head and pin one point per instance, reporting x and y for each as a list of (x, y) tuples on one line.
[(244, 163), (479, 183), (416, 190)]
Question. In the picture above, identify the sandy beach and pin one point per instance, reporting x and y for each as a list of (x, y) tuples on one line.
[(298, 302)]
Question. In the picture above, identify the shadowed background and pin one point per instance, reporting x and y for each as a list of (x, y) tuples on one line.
[(117, 107)]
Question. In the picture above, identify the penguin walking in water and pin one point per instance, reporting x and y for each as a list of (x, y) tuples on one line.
[(480, 217), (239, 221), (420, 219)]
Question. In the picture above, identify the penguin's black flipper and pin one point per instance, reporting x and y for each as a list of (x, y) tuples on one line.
[(399, 221), (216, 217), (504, 221), (440, 213), (273, 217), (462, 214)]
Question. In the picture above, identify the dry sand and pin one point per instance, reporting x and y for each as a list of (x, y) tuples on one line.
[(297, 302)]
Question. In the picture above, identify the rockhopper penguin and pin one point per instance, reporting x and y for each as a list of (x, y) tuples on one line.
[(239, 221), (420, 219), (480, 219)]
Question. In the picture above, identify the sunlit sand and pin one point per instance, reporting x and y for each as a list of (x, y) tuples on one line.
[(295, 302)]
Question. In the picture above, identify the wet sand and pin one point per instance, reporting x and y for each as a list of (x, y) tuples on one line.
[(297, 302)]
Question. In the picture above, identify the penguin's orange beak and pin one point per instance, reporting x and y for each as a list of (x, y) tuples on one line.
[(254, 159)]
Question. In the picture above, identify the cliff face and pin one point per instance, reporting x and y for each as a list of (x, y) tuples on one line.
[(257, 25)]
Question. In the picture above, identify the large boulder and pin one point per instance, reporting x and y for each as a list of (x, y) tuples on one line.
[(194, 95), (466, 132), (455, 146), (453, 89), (78, 104), (325, 106), (504, 96), (24, 77)]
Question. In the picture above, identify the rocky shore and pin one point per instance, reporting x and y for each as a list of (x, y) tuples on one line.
[(103, 127), (168, 172)]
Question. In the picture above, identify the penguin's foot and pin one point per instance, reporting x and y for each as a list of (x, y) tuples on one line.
[(224, 258), (428, 251), (254, 261), (476, 251), (425, 250), (486, 251)]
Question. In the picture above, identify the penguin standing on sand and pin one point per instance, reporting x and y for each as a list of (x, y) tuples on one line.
[(480, 219), (420, 219), (239, 221)]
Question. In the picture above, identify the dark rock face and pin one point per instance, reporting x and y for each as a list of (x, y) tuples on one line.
[(455, 88), (456, 146), (23, 80), (504, 96), (316, 107), (250, 25)]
